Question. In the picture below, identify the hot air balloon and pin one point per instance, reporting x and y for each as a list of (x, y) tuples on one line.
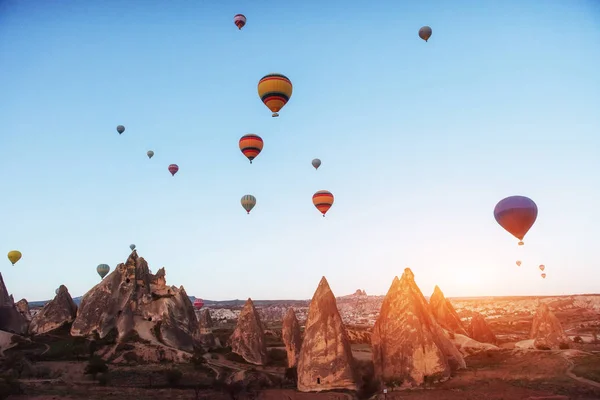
[(102, 270), (251, 145), (239, 20), (275, 91), (316, 163), (425, 33), (14, 256), (544, 276), (173, 168), (120, 129), (132, 247), (198, 303), (518, 263), (56, 291), (542, 267), (150, 154), (248, 202), (323, 200), (516, 214)]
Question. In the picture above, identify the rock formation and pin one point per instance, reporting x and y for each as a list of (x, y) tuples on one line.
[(444, 312), (131, 298), (325, 360), (409, 346), (546, 330), (206, 329), (248, 338), (292, 337), (480, 330), (23, 307), (56, 313), (11, 320)]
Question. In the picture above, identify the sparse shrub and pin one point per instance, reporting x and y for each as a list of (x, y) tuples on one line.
[(124, 347), (96, 366), (563, 346), (291, 374), (235, 358), (103, 379), (131, 357), (277, 357), (577, 339), (9, 386), (42, 372), (173, 376), (214, 357), (451, 335), (198, 359)]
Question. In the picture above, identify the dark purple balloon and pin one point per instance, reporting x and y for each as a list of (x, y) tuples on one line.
[(516, 214)]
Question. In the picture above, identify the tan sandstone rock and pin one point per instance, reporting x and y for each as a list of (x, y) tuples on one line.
[(325, 360), (292, 337), (480, 330), (206, 330), (248, 338), (546, 330), (408, 344), (11, 320), (59, 311), (23, 307), (444, 312), (132, 299)]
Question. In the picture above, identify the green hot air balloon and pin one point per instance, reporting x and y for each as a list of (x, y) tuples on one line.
[(248, 202), (150, 154), (102, 270)]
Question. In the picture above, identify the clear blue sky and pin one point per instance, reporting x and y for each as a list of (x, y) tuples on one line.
[(418, 143)]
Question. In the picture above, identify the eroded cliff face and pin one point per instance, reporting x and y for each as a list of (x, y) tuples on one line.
[(444, 313), (131, 298), (547, 331), (11, 319), (248, 338), (207, 336), (325, 360), (292, 337), (56, 313), (408, 344)]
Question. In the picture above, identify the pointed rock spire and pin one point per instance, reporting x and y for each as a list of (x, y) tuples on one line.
[(248, 338), (325, 360), (292, 337), (444, 313), (11, 319), (480, 330), (408, 344), (547, 330), (57, 312)]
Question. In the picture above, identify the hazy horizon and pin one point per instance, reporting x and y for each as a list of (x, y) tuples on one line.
[(418, 142)]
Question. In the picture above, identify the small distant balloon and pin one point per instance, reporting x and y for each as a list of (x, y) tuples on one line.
[(120, 129), (56, 291), (516, 214), (316, 163), (102, 270), (132, 247), (173, 168), (251, 145), (248, 202), (323, 200), (150, 154), (239, 20), (544, 276), (275, 90), (542, 267), (14, 256), (425, 33), (518, 263), (198, 303)]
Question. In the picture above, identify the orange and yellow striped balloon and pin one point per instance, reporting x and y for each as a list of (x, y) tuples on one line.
[(323, 200), (251, 145), (275, 91)]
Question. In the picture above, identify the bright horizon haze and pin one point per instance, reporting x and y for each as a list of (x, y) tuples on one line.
[(418, 142)]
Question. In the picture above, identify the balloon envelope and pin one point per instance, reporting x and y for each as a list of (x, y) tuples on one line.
[(150, 154), (323, 200), (14, 256), (132, 247), (120, 129), (198, 303), (544, 276), (542, 267), (425, 33), (275, 91), (248, 202), (102, 270), (173, 168), (518, 263), (516, 214), (239, 20), (316, 163), (251, 145)]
